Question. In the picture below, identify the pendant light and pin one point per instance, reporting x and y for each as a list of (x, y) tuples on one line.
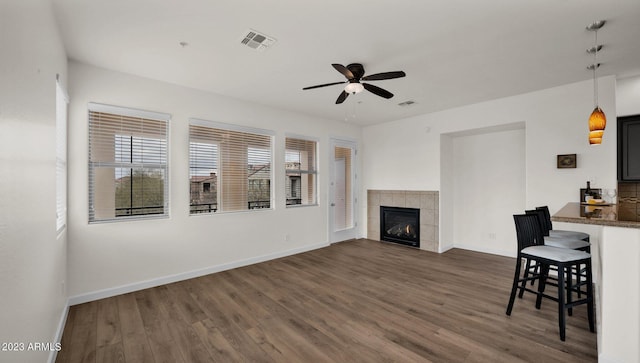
[(597, 120)]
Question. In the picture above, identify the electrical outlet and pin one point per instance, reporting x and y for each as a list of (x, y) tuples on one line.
[(492, 235), (287, 237), (62, 288)]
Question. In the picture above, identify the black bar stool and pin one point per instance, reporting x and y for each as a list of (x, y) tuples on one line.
[(531, 247), (571, 240)]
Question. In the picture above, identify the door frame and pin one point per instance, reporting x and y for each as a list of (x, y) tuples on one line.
[(352, 232)]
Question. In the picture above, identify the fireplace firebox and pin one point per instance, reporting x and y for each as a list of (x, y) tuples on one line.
[(400, 225)]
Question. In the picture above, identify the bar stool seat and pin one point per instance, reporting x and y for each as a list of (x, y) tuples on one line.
[(567, 242), (568, 234), (555, 253)]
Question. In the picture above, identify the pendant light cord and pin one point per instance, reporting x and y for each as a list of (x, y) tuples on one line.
[(595, 66)]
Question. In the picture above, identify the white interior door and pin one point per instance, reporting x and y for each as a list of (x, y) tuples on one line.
[(342, 191)]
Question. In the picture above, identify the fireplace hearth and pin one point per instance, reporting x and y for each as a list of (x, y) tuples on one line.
[(400, 225)]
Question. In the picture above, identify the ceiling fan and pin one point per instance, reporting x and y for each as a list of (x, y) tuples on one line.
[(354, 73)]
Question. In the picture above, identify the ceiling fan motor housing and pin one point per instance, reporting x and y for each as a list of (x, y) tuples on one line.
[(357, 70)]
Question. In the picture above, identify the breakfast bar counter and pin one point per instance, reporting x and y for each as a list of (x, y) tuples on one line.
[(617, 247), (614, 215)]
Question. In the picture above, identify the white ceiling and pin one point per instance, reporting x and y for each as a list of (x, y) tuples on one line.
[(454, 52)]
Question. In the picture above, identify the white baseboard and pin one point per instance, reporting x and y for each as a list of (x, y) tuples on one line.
[(602, 358), (491, 251), (444, 248), (58, 337), (119, 290)]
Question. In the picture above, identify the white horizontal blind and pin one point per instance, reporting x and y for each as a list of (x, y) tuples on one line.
[(128, 169), (61, 157), (229, 170), (300, 171)]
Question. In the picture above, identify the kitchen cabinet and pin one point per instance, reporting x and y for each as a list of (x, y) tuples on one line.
[(629, 148)]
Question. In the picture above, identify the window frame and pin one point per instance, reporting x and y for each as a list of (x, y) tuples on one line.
[(313, 171), (215, 125), (163, 166)]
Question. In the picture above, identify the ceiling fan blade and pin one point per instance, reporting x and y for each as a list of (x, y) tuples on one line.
[(344, 70), (342, 97), (324, 85), (377, 90), (384, 75)]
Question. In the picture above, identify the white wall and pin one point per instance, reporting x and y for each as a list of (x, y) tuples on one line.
[(32, 256), (488, 186), (109, 258), (416, 153), (619, 306), (628, 96), (447, 209)]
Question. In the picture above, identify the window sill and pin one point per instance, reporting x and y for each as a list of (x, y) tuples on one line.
[(302, 205), (130, 219), (257, 210)]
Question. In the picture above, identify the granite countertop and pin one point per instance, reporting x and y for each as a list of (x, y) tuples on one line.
[(615, 215)]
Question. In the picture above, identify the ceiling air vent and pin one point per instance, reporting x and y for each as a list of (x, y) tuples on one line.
[(406, 103), (257, 41)]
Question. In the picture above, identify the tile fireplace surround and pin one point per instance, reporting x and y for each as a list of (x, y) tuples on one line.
[(427, 201)]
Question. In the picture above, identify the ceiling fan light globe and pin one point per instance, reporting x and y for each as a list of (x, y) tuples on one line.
[(354, 87)]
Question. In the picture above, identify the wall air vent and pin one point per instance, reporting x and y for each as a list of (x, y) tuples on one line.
[(256, 40), (406, 103)]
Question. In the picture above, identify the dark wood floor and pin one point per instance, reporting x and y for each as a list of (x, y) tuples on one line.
[(356, 301)]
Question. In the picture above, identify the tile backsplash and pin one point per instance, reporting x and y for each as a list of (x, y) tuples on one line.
[(628, 192), (628, 206)]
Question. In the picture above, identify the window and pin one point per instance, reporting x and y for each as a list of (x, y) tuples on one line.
[(229, 167), (61, 157), (300, 171), (128, 169), (203, 172)]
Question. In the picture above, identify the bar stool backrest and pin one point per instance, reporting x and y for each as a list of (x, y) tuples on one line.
[(528, 231), (541, 220), (547, 217)]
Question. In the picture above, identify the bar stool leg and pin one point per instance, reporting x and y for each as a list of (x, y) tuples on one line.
[(569, 278), (561, 303), (578, 273), (544, 272), (590, 297), (523, 284), (514, 286)]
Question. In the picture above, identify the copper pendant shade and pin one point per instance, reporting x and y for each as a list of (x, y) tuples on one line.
[(597, 123), (597, 120)]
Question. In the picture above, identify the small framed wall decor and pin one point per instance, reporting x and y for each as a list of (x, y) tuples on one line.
[(566, 161)]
